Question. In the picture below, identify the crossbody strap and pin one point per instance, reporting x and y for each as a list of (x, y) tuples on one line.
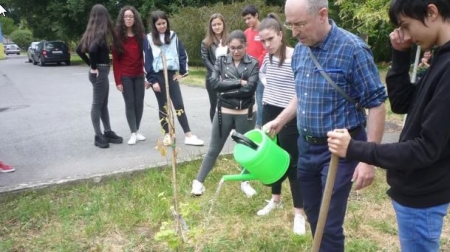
[(327, 77)]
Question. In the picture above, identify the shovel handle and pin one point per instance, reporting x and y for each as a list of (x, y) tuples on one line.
[(331, 177), (239, 138)]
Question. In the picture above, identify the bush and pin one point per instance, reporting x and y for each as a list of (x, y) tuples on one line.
[(191, 23), (22, 38)]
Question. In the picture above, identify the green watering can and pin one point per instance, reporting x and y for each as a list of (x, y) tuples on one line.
[(260, 156)]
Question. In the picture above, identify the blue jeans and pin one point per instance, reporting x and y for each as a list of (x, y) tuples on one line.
[(419, 229), (259, 97), (313, 165)]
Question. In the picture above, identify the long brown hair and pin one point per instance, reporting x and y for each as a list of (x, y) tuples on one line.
[(210, 35), (154, 16), (99, 30), (273, 22), (137, 28)]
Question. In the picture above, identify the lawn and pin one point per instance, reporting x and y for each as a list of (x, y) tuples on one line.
[(125, 213)]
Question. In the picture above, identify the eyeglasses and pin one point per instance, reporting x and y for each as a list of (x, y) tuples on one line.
[(128, 17), (236, 49), (296, 26)]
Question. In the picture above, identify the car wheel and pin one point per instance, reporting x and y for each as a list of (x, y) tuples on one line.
[(18, 53), (41, 63), (29, 60), (58, 63), (68, 63)]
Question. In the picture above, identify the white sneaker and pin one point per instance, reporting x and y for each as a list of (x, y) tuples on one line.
[(299, 225), (167, 141), (247, 189), (140, 137), (197, 188), (193, 140), (271, 205), (133, 139)]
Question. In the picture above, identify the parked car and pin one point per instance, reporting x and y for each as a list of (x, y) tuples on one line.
[(31, 50), (51, 52), (12, 49)]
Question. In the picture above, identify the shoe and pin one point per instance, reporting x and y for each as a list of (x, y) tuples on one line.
[(197, 188), (271, 205), (299, 225), (4, 168), (112, 137), (101, 142), (140, 137), (133, 139), (167, 141), (247, 189), (193, 140)]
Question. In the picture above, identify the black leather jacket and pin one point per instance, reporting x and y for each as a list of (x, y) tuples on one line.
[(226, 81), (208, 56)]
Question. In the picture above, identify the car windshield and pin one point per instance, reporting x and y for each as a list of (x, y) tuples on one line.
[(12, 46), (55, 45)]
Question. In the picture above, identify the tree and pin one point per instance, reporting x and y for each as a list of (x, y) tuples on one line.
[(22, 38), (8, 25)]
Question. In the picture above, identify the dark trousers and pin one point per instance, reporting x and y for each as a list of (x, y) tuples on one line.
[(133, 94), (313, 164), (212, 94), (177, 101), (286, 139), (99, 110)]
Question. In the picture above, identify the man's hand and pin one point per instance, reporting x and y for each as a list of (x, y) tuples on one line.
[(156, 87), (273, 127), (363, 176), (147, 85), (120, 87)]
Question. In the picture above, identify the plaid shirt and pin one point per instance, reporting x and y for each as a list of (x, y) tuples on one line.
[(349, 62)]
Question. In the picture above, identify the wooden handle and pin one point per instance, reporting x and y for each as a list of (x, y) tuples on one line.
[(331, 177)]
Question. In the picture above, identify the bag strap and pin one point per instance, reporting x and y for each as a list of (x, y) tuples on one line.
[(342, 92)]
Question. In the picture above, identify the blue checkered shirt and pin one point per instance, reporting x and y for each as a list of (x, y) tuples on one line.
[(349, 62)]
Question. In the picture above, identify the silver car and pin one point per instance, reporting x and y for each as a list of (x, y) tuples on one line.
[(12, 49)]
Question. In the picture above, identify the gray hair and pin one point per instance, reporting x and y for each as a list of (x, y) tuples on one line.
[(315, 5)]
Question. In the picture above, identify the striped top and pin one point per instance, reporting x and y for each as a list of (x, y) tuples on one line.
[(279, 88)]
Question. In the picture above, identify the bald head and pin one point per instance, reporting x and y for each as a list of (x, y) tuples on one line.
[(310, 5)]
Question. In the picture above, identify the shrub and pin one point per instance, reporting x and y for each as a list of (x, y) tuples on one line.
[(191, 23), (22, 38)]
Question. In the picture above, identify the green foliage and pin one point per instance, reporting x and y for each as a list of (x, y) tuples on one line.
[(22, 38), (7, 25), (192, 33)]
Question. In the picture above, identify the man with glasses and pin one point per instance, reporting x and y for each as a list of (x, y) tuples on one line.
[(327, 54)]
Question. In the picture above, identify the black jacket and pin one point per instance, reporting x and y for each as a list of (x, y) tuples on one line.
[(208, 56), (418, 167), (226, 78)]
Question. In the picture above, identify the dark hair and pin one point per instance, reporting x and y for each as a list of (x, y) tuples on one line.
[(137, 28), (273, 22), (210, 36), (99, 30), (417, 9), (249, 9), (239, 35), (154, 16)]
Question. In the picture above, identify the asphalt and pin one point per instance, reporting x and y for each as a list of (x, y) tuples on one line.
[(47, 135)]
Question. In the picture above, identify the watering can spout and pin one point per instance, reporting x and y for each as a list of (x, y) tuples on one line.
[(239, 177)]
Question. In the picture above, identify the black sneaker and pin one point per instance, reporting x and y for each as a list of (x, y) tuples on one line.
[(101, 142), (111, 137)]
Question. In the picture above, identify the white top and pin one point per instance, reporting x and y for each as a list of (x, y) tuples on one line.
[(279, 85), (221, 50)]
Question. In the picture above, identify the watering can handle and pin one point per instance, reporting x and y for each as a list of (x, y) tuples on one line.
[(239, 138)]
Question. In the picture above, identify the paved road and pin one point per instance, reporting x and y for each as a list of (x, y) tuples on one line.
[(46, 132)]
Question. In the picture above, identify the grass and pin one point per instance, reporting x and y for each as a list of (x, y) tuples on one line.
[(125, 213)]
